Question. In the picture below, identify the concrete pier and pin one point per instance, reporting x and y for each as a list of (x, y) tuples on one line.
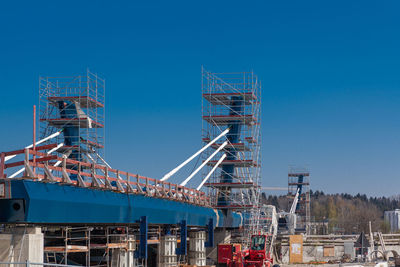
[(167, 251), (22, 244), (124, 257), (197, 250)]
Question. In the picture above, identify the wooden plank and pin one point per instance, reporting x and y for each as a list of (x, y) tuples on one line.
[(329, 251), (296, 249)]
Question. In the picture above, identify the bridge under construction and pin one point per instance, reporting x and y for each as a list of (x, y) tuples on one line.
[(61, 195)]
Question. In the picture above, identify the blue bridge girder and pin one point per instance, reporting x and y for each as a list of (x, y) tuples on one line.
[(37, 202)]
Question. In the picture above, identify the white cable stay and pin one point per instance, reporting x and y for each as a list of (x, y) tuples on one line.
[(204, 163), (168, 175), (36, 143), (49, 152), (211, 172)]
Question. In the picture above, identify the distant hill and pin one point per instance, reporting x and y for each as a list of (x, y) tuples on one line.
[(345, 213)]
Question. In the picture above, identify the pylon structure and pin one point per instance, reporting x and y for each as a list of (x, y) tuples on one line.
[(233, 101), (74, 106), (299, 181)]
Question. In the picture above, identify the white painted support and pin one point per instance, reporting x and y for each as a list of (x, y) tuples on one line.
[(49, 175), (23, 169), (138, 186), (95, 182), (37, 143), (81, 183), (107, 182), (28, 168), (204, 163), (129, 187), (66, 155), (168, 175), (211, 172), (66, 178), (119, 185)]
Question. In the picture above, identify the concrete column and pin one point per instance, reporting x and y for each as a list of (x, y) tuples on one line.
[(22, 244), (197, 250), (221, 236), (124, 257), (167, 251)]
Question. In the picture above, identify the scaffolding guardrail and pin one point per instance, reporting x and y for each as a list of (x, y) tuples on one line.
[(28, 263), (39, 166)]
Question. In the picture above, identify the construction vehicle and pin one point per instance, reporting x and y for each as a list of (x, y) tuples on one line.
[(287, 221), (258, 255)]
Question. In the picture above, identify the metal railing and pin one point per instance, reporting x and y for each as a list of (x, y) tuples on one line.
[(28, 264), (40, 166)]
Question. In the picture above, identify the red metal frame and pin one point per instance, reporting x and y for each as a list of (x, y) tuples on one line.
[(133, 183)]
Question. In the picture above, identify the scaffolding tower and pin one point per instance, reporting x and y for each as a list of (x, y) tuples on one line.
[(299, 181), (74, 106), (233, 100)]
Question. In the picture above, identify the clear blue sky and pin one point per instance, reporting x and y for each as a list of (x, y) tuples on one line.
[(330, 72)]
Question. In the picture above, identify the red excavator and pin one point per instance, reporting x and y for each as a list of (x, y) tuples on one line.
[(258, 255)]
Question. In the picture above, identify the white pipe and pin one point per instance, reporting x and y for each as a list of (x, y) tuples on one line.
[(168, 175), (212, 171), (49, 152), (204, 163), (37, 143)]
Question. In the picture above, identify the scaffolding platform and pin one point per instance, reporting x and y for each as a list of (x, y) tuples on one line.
[(299, 174), (232, 185), (230, 119), (68, 248), (84, 101), (250, 140), (305, 183), (77, 122), (236, 146), (225, 98), (236, 163), (91, 143)]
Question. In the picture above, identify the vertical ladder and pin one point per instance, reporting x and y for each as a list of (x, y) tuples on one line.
[(382, 242), (51, 257)]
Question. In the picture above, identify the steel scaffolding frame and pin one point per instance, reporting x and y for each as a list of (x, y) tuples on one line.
[(78, 103), (299, 179), (233, 100)]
